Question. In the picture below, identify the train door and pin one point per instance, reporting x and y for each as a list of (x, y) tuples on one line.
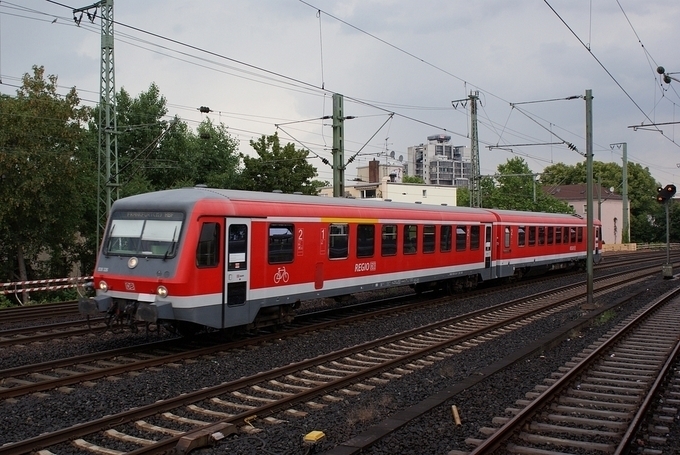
[(237, 246), (487, 248)]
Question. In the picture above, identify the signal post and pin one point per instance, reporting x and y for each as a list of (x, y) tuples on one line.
[(664, 196)]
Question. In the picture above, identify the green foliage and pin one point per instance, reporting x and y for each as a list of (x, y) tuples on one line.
[(49, 170), (278, 168), (213, 158), (641, 192), (412, 179), (515, 188), (605, 317), (463, 197), (5, 302), (656, 230), (156, 154), (42, 164)]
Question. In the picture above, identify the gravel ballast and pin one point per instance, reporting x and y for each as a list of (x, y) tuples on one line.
[(433, 433)]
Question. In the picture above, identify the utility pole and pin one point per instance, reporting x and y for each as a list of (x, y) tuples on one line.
[(338, 147), (625, 234), (475, 177), (107, 178), (590, 241), (475, 188)]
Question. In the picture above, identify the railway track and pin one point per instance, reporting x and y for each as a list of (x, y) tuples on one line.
[(45, 332), (296, 389), (15, 382), (28, 334), (22, 314), (598, 401)]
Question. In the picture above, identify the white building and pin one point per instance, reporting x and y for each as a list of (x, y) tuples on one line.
[(607, 205), (399, 192), (439, 162), (376, 171)]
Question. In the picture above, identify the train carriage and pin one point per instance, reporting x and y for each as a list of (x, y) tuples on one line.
[(200, 257), (535, 242)]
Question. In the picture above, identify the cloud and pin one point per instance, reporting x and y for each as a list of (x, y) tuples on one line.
[(411, 58)]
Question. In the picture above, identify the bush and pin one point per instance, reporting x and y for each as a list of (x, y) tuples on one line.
[(5, 302)]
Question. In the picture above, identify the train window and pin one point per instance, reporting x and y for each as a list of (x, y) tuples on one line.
[(365, 240), (558, 235), (238, 241), (281, 243), (532, 235), (150, 234), (565, 235), (389, 240), (521, 236), (506, 237), (429, 240), (474, 237), (541, 235), (410, 239), (338, 242), (580, 234), (551, 231), (445, 239), (461, 237), (572, 235), (208, 249)]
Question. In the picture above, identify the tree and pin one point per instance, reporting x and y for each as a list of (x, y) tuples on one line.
[(278, 168), (214, 158), (412, 179), (145, 160), (44, 181), (641, 191), (463, 197), (516, 189)]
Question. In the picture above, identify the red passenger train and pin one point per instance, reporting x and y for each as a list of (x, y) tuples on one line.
[(202, 257)]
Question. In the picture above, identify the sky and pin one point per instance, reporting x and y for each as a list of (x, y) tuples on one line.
[(266, 66)]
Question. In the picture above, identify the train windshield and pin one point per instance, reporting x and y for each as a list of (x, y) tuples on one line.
[(144, 234)]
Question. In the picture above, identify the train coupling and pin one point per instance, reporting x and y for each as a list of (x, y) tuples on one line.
[(146, 312), (94, 305)]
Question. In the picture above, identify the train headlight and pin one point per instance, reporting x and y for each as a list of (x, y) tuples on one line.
[(162, 292), (103, 286)]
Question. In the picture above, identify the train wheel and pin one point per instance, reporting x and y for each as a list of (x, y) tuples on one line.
[(187, 329)]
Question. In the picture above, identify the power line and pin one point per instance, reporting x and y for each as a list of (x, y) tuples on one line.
[(310, 87), (303, 83), (605, 69)]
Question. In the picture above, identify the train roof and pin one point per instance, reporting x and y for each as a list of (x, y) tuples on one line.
[(512, 215), (185, 199)]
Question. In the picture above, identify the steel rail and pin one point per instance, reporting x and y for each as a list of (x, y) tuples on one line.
[(59, 436), (510, 427)]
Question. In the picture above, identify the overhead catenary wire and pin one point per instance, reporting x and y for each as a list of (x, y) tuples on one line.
[(611, 76), (409, 118)]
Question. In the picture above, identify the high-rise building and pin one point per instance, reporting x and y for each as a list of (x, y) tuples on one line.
[(438, 162)]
